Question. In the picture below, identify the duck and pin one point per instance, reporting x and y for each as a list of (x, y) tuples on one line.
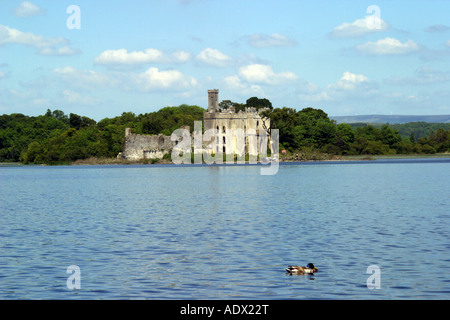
[(309, 269)]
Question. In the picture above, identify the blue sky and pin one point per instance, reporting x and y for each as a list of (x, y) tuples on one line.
[(344, 57)]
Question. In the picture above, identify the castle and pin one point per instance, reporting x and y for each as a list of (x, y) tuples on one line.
[(249, 122), (224, 124)]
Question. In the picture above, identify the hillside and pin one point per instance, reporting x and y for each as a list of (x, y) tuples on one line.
[(391, 119)]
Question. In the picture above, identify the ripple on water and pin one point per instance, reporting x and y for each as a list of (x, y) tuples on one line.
[(225, 233)]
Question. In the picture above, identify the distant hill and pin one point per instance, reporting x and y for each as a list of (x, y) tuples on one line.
[(393, 119)]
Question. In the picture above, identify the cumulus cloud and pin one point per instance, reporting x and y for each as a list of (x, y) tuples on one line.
[(274, 40), (262, 80), (44, 46), (213, 57), (359, 28), (259, 73), (122, 56), (388, 46), (154, 79), (150, 55), (349, 81), (180, 56), (235, 83), (350, 86), (27, 9)]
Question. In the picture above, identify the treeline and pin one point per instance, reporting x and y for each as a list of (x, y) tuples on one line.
[(59, 138), (313, 129)]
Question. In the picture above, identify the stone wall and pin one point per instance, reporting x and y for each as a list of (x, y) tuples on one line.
[(140, 146)]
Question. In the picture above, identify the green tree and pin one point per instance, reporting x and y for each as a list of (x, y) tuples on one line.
[(345, 136), (255, 102)]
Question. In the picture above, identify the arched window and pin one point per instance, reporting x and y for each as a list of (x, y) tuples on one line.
[(223, 129)]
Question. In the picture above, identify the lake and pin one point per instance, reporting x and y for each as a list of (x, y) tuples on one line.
[(226, 232)]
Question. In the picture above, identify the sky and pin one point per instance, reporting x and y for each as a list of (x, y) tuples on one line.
[(102, 58)]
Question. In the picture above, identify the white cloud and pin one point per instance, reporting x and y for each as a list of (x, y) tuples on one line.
[(180, 56), (274, 40), (349, 81), (350, 86), (150, 55), (44, 46), (122, 56), (388, 46), (27, 9), (259, 73), (359, 28), (154, 79), (213, 57), (234, 83)]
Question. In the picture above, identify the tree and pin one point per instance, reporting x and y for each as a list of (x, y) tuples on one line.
[(345, 136), (257, 103), (389, 136)]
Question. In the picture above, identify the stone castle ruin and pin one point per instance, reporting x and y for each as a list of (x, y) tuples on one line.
[(249, 122), (221, 122), (143, 146)]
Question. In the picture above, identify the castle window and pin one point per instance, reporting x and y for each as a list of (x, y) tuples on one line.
[(223, 129), (217, 129), (257, 123), (224, 140)]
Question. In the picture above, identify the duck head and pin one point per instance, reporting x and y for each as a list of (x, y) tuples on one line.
[(311, 266)]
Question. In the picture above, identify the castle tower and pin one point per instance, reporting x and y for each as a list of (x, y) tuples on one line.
[(213, 101)]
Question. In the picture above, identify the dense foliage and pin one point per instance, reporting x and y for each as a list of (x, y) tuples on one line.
[(311, 128), (59, 138)]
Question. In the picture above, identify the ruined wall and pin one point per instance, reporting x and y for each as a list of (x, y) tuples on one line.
[(140, 146)]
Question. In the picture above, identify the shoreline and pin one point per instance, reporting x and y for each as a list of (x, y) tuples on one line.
[(346, 158)]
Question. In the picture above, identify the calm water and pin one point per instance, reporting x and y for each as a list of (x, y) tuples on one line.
[(226, 232)]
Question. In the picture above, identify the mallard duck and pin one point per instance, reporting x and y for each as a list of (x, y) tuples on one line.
[(309, 269)]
